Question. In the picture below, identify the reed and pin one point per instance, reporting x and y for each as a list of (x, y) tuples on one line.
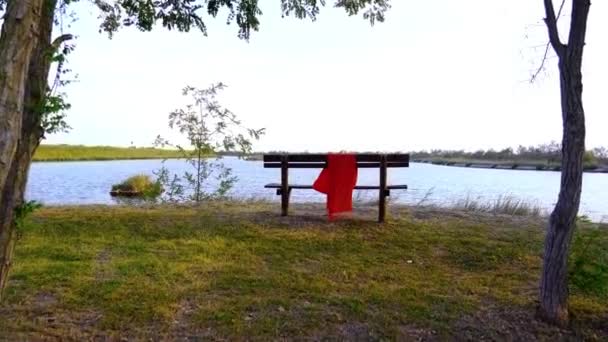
[(504, 204)]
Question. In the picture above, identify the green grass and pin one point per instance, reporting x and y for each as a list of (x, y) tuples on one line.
[(80, 152), (239, 271), (507, 205)]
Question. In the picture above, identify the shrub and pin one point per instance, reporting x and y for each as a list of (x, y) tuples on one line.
[(589, 160), (139, 185)]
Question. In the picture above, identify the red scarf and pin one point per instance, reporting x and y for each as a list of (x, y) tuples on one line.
[(338, 181)]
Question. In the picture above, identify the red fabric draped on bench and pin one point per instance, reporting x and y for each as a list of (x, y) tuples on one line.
[(338, 181), (380, 161)]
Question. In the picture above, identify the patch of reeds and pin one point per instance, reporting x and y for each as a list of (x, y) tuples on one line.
[(504, 204)]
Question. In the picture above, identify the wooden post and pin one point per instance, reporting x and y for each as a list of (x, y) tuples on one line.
[(284, 186), (382, 192)]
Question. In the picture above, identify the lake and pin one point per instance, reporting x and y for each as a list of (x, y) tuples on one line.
[(72, 183)]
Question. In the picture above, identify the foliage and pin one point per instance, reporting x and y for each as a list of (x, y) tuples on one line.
[(183, 15), (210, 130), (174, 189), (141, 184), (54, 107), (54, 114), (589, 159), (601, 153), (588, 271), (81, 152), (231, 271), (23, 211)]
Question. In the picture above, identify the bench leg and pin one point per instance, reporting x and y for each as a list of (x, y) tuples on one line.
[(285, 202), (382, 192), (382, 209), (284, 187)]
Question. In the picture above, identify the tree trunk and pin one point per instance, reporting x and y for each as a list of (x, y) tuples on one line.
[(12, 195), (17, 40), (554, 278), (29, 117), (554, 281)]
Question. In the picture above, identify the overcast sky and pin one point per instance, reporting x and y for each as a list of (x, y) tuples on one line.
[(437, 74)]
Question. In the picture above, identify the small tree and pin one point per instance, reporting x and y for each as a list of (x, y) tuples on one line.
[(553, 296), (210, 130)]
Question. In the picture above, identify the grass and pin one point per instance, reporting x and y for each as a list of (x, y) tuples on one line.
[(237, 271), (80, 152), (507, 205), (589, 261)]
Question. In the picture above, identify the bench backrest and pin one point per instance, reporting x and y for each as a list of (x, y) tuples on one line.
[(319, 160)]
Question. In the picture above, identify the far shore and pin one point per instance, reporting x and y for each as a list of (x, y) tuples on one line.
[(92, 159), (67, 153), (70, 153), (506, 165)]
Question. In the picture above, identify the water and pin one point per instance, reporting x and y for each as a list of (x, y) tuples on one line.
[(58, 183)]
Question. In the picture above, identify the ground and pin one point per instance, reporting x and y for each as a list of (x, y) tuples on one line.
[(225, 271)]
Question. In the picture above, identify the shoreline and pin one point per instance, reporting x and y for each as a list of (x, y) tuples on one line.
[(505, 166), (317, 208), (56, 160), (86, 159)]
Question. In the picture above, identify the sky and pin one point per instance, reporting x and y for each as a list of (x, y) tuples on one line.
[(436, 74)]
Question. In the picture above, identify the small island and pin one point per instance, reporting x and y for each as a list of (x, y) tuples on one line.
[(137, 186)]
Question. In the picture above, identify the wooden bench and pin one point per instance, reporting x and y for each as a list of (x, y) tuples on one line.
[(319, 161)]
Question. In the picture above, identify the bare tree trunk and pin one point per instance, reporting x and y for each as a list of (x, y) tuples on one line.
[(554, 278), (29, 122), (554, 283), (12, 198), (17, 40)]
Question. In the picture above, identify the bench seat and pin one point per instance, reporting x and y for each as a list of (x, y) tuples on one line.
[(358, 187)]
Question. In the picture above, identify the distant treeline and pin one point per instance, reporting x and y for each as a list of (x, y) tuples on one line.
[(545, 153)]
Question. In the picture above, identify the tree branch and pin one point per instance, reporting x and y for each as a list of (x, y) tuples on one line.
[(551, 22), (542, 63), (60, 40)]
